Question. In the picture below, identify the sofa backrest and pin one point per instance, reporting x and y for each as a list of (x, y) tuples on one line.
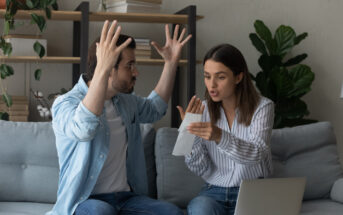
[(175, 182), (308, 151), (28, 162), (29, 168)]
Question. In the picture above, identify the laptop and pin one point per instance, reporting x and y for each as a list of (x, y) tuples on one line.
[(274, 196)]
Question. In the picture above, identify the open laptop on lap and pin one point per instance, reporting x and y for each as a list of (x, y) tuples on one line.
[(274, 196)]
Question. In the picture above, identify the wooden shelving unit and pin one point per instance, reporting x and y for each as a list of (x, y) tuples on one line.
[(102, 16), (33, 59), (81, 18), (74, 60)]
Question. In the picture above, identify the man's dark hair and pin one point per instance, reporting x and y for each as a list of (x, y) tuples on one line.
[(92, 60)]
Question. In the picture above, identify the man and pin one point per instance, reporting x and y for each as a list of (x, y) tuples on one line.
[(96, 124)]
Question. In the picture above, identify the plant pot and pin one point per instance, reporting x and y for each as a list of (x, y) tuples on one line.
[(2, 4)]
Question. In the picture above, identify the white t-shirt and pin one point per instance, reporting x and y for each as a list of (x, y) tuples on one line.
[(113, 177)]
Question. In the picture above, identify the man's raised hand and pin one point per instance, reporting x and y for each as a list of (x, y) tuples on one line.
[(171, 51), (107, 51)]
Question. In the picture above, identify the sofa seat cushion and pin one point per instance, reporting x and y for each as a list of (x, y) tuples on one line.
[(307, 151), (321, 207), (175, 182), (24, 208)]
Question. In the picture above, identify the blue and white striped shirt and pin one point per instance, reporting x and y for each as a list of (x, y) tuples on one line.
[(242, 153)]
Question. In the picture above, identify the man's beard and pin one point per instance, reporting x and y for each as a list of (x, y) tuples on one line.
[(124, 88)]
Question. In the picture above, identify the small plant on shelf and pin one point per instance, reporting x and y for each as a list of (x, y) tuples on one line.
[(12, 6)]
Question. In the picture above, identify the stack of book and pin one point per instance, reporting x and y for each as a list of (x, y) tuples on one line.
[(19, 111), (133, 6), (143, 48)]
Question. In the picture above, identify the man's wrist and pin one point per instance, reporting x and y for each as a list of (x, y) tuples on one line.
[(171, 63)]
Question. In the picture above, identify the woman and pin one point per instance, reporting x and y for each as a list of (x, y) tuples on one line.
[(232, 141)]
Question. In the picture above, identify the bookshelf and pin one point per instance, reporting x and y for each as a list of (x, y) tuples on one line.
[(102, 16), (34, 59), (81, 18), (75, 60)]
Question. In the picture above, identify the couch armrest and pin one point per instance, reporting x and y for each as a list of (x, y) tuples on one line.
[(337, 191)]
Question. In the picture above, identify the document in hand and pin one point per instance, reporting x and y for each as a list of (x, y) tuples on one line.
[(184, 142)]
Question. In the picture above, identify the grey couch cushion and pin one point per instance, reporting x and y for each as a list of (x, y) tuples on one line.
[(337, 191), (309, 151), (321, 207), (24, 208), (175, 182), (148, 138), (28, 162)]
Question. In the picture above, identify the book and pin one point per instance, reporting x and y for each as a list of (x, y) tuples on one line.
[(143, 52), (143, 57), (14, 107), (18, 118), (134, 1), (142, 42), (143, 47), (18, 112), (16, 100), (132, 8)]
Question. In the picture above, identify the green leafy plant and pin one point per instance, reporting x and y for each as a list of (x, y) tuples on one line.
[(12, 6), (282, 80)]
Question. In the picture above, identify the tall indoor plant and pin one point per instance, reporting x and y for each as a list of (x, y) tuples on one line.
[(12, 6), (282, 80)]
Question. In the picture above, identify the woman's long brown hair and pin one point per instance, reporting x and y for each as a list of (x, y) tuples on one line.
[(247, 97)]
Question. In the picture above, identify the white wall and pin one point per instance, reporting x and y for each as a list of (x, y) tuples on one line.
[(231, 21)]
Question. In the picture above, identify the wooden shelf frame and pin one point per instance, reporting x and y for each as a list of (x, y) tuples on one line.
[(81, 18), (34, 59), (74, 60), (102, 16)]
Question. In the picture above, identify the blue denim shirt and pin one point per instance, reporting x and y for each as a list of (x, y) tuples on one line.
[(82, 141)]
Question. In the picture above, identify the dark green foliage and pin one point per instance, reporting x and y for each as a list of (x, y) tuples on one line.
[(283, 81), (4, 116)]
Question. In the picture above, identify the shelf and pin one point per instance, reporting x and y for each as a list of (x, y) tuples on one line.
[(55, 15), (34, 59), (140, 17), (102, 16), (142, 61)]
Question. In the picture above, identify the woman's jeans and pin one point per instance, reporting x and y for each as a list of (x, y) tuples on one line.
[(125, 203), (214, 200)]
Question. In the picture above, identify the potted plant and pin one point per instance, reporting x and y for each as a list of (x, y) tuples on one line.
[(282, 80), (12, 6)]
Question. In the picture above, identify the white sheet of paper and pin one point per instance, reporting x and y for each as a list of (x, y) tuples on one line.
[(185, 140)]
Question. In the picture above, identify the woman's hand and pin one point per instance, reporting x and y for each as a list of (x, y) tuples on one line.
[(205, 130), (107, 52), (194, 106), (171, 51)]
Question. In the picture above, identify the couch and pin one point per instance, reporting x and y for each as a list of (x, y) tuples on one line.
[(29, 167)]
